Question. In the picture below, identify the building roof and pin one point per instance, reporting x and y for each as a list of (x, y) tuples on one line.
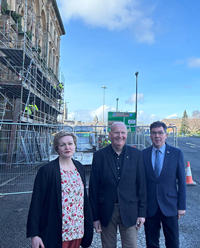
[(54, 3), (172, 122), (194, 124)]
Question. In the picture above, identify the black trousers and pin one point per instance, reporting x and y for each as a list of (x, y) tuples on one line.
[(170, 229)]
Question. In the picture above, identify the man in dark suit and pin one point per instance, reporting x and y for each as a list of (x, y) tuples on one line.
[(166, 188), (118, 190)]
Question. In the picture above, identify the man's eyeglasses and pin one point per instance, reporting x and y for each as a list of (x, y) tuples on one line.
[(160, 133)]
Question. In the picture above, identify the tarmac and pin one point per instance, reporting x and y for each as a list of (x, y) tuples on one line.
[(14, 210)]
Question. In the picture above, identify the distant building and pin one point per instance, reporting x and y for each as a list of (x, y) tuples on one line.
[(194, 124)]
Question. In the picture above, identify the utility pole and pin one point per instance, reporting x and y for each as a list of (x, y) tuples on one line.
[(136, 74), (103, 87), (117, 104)]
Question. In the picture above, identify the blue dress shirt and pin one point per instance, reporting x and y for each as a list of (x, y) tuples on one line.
[(162, 155)]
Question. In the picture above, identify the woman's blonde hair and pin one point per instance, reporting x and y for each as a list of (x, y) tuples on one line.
[(61, 134)]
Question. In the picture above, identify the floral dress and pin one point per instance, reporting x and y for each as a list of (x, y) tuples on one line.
[(72, 205)]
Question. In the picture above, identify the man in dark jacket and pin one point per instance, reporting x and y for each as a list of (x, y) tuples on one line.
[(166, 188), (118, 190)]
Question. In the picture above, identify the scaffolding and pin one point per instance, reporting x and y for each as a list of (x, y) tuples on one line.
[(30, 91), (31, 147)]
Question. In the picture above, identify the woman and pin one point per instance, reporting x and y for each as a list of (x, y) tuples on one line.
[(60, 214)]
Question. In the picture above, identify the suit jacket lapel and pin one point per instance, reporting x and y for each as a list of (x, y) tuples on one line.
[(149, 158), (125, 162), (166, 159)]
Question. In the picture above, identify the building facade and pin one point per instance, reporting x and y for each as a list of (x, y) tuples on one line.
[(30, 35), (31, 94)]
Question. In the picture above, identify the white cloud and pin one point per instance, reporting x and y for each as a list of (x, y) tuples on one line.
[(173, 116), (144, 118), (194, 62), (111, 14), (131, 100), (71, 115), (88, 115)]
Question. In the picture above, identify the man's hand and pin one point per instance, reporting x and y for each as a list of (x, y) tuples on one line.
[(139, 223), (97, 226), (36, 242), (180, 213)]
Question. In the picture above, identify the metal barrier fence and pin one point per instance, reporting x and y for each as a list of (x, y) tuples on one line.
[(25, 147)]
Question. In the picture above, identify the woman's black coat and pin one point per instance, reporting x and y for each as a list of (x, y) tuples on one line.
[(45, 213)]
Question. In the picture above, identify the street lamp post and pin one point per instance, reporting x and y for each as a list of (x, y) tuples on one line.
[(136, 74), (103, 87), (117, 104)]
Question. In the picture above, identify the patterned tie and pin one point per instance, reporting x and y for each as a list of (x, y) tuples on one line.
[(157, 163)]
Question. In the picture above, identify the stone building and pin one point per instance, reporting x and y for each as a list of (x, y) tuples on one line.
[(31, 94), (30, 34)]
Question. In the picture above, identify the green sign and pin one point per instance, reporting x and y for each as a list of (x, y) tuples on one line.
[(129, 118)]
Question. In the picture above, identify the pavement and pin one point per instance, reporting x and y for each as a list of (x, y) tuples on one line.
[(14, 210)]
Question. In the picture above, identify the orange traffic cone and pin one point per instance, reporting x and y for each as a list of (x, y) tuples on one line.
[(189, 180)]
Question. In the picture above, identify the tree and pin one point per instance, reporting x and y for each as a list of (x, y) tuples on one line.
[(184, 124)]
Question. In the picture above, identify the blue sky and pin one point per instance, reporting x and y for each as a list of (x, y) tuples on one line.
[(106, 42)]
